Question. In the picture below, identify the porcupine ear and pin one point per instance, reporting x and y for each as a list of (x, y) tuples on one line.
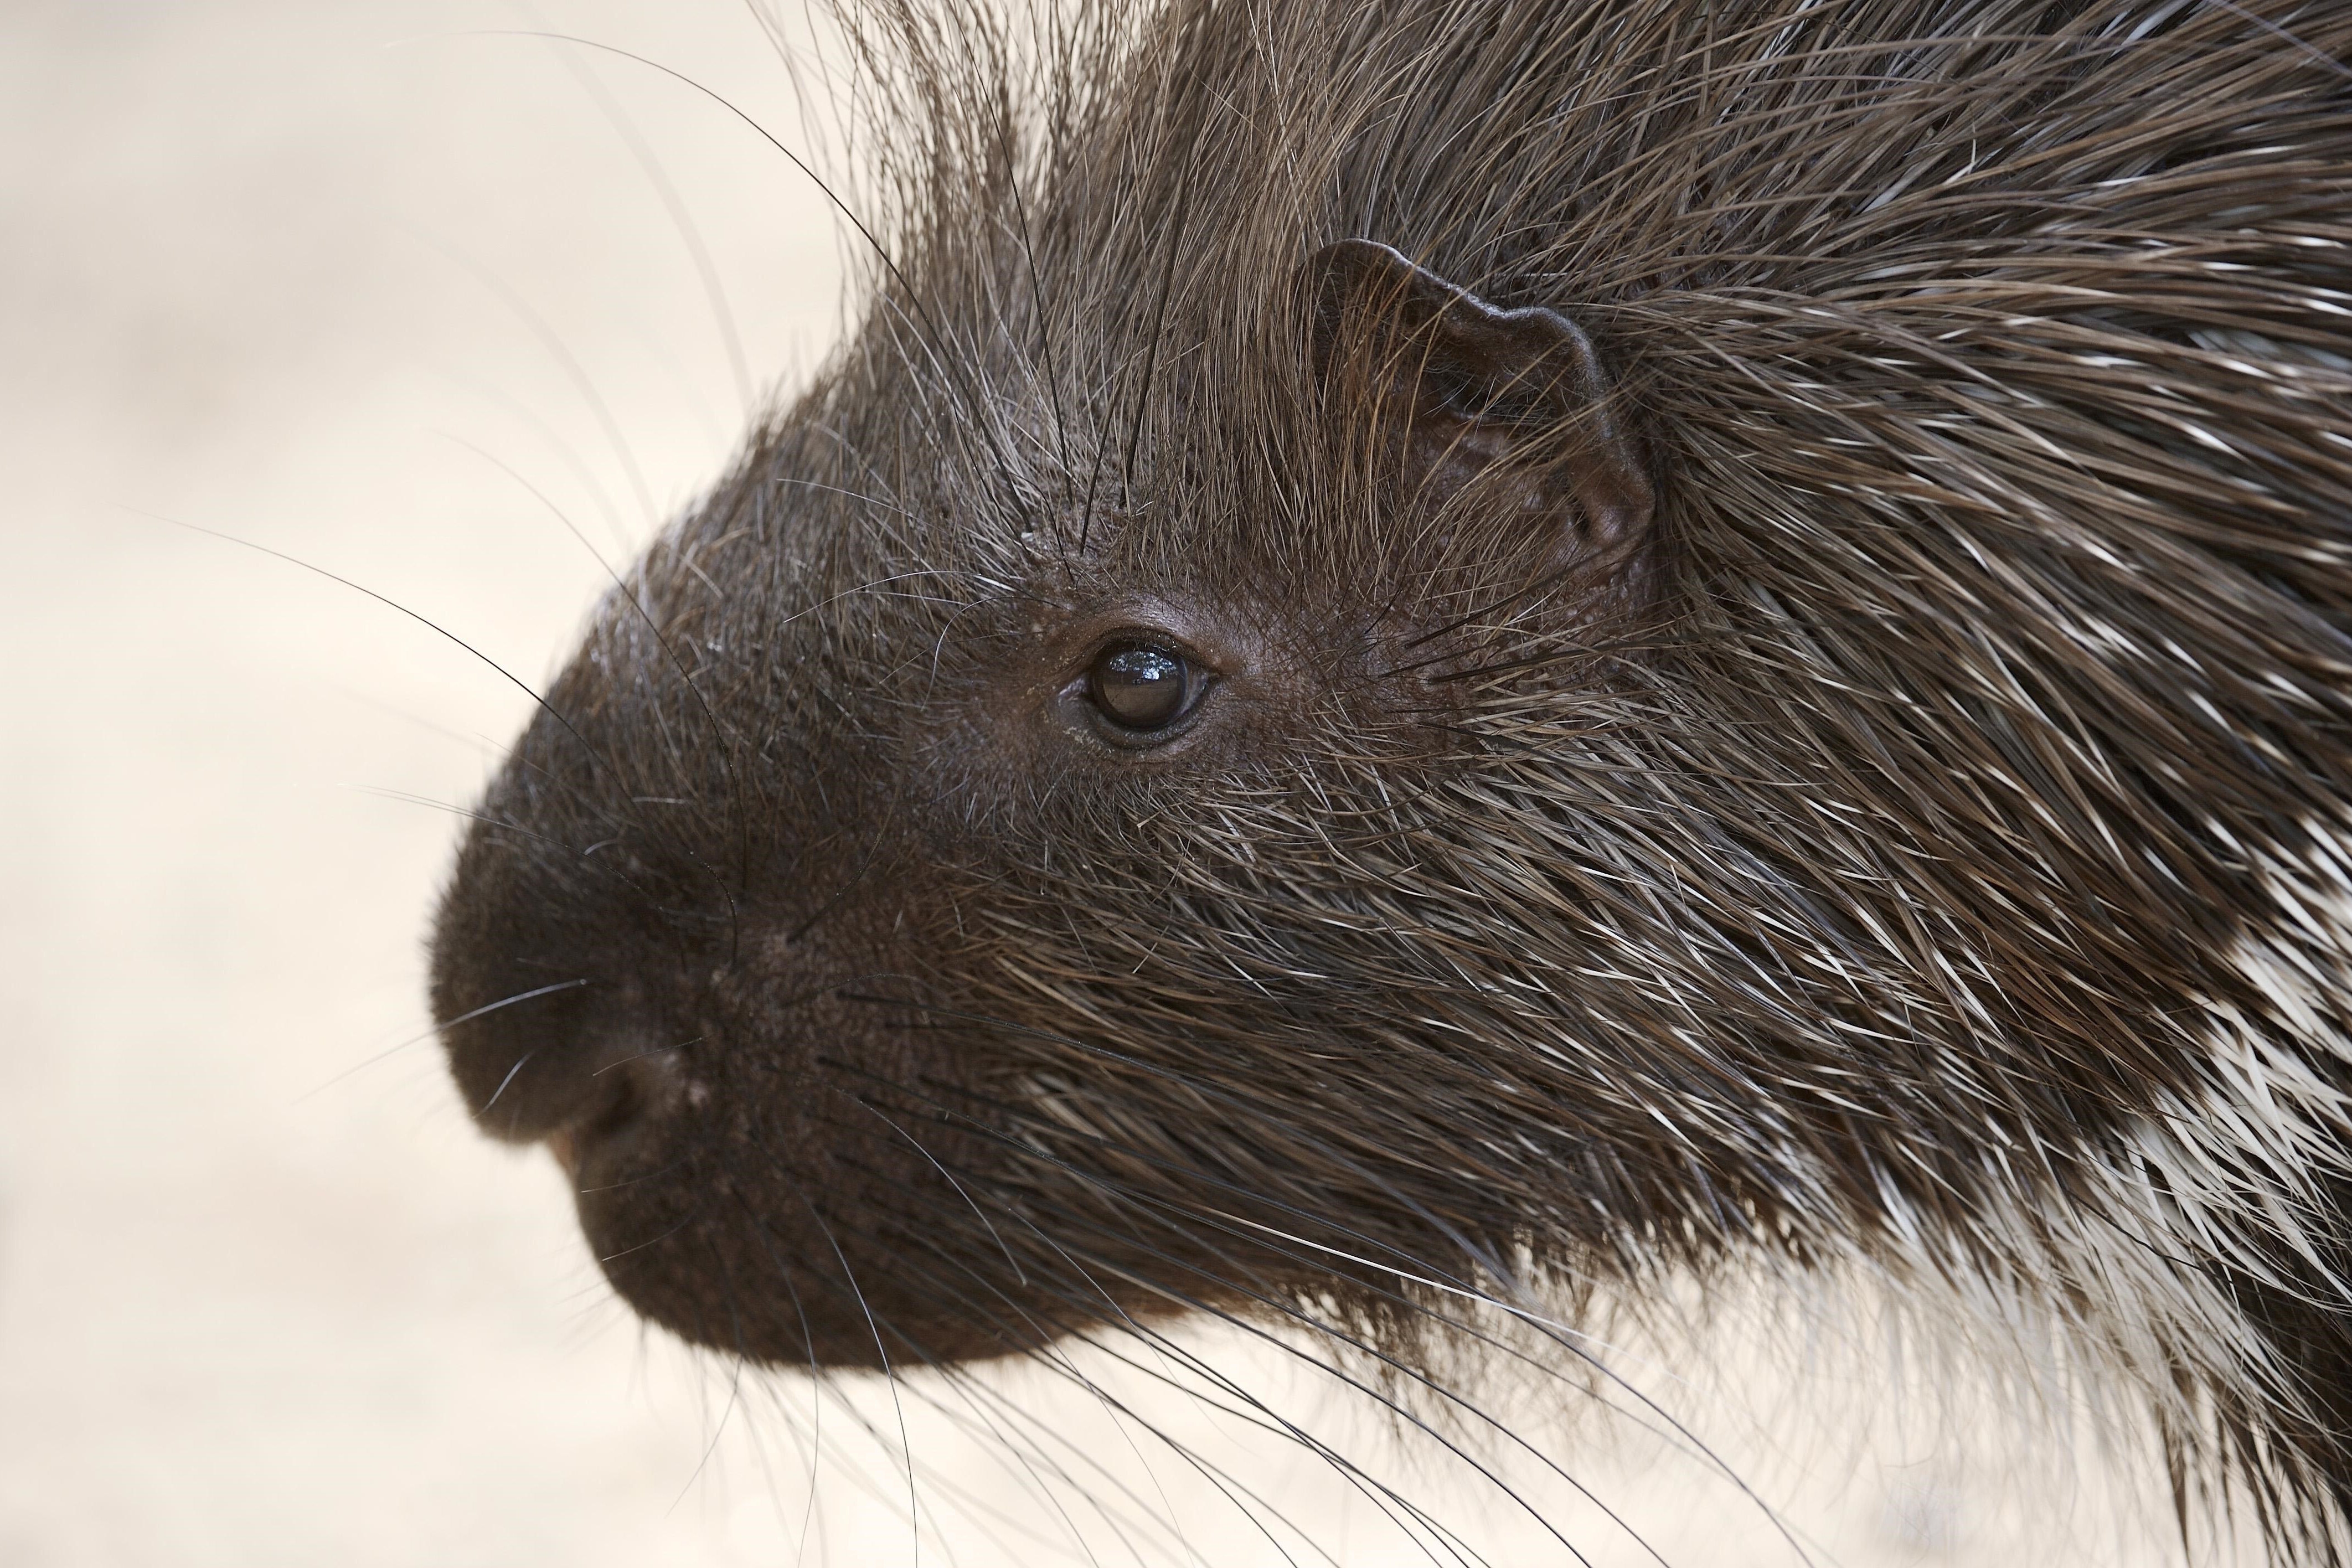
[(1468, 388)]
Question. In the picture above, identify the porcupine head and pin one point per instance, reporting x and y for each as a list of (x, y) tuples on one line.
[(1435, 651)]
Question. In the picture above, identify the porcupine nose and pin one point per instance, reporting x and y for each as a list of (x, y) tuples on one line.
[(573, 1064)]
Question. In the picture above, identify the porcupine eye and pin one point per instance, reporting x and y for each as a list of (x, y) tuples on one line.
[(1142, 689)]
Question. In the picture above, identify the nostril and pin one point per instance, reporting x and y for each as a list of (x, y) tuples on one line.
[(620, 1098), (520, 1060)]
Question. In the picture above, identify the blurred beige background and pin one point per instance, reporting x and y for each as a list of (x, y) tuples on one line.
[(317, 276)]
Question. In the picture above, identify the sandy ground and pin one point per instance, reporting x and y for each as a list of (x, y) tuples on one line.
[(353, 281)]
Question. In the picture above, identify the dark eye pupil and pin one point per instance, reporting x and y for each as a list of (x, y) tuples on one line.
[(1139, 688)]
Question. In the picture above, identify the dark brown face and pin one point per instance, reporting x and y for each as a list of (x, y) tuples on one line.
[(830, 889)]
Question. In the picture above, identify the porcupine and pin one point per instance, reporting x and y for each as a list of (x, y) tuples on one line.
[(1463, 646)]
